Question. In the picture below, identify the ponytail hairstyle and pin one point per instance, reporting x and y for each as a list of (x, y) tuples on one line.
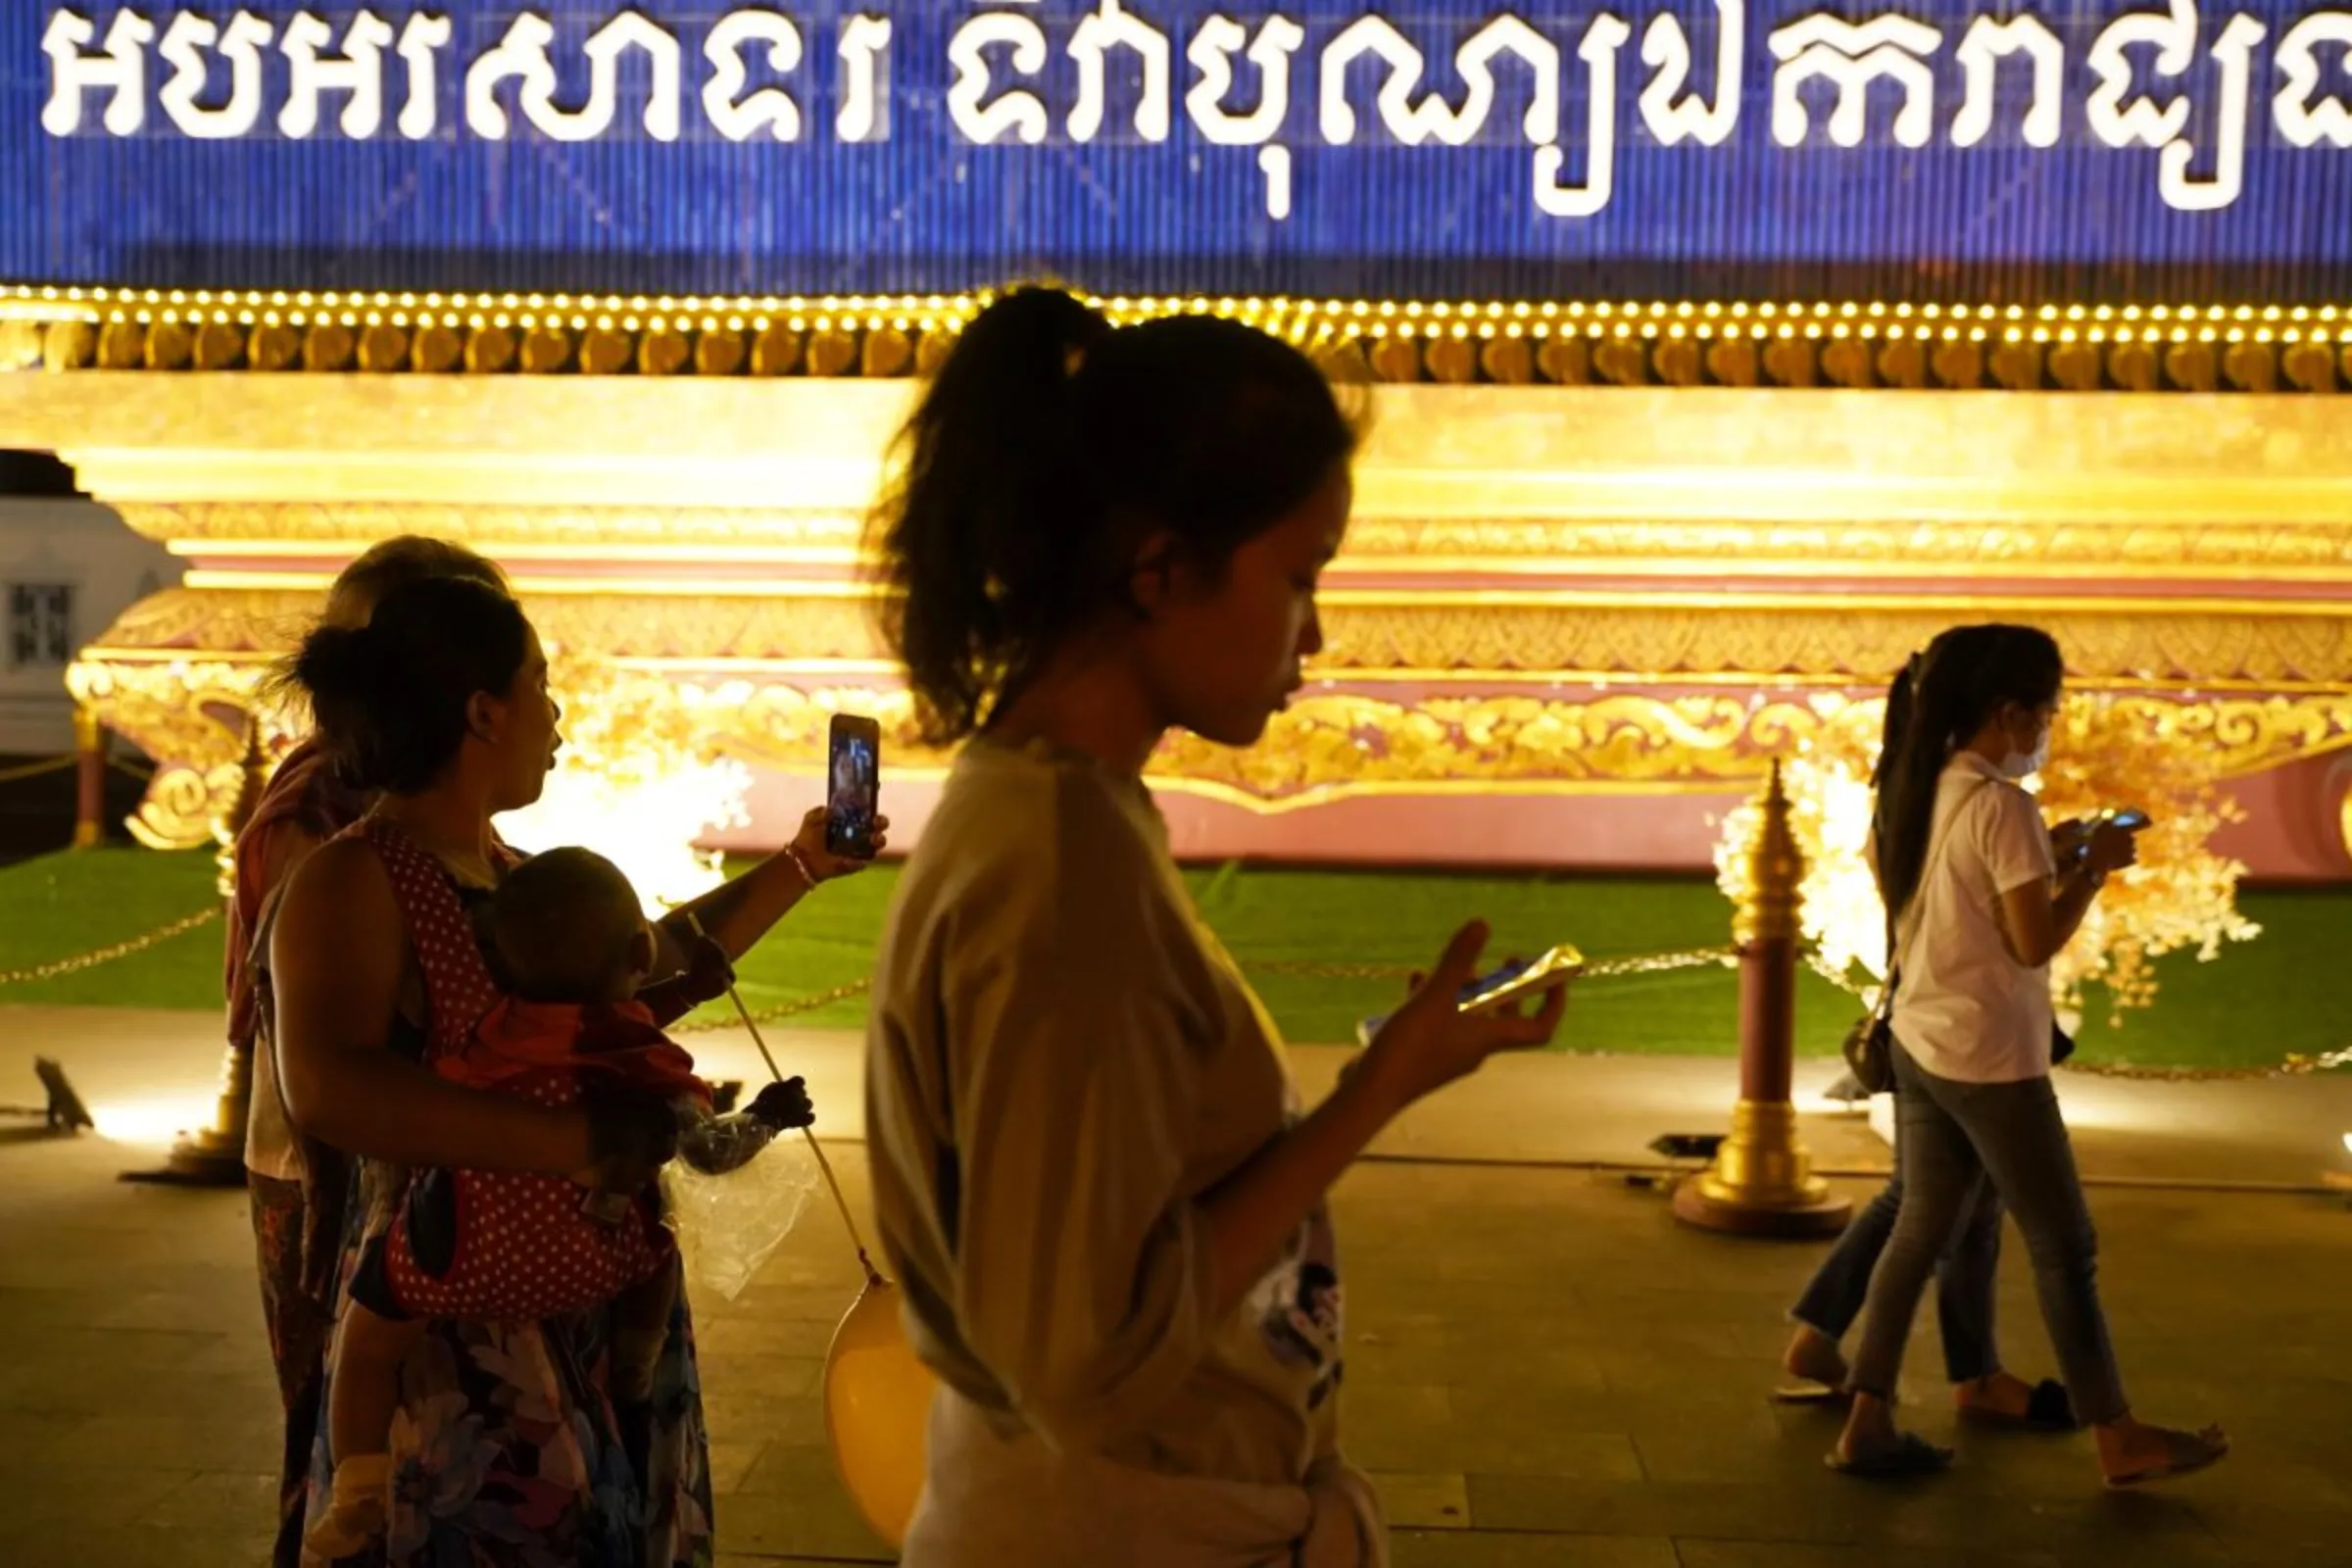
[(1050, 446), (389, 698), (1939, 702)]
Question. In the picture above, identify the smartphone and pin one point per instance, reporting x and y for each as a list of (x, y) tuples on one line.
[(1552, 970), (1502, 987), (852, 785), (2130, 818)]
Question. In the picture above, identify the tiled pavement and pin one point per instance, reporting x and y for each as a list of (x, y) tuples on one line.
[(1545, 1370)]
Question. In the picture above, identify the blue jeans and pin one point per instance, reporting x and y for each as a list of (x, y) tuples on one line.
[(1964, 1278), (1952, 1139)]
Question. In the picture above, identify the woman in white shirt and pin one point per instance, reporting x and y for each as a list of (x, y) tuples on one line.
[(1980, 905)]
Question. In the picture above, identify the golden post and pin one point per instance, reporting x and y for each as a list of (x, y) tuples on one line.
[(215, 1155), (89, 796), (1762, 1182)]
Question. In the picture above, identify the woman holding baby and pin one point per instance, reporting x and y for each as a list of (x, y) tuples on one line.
[(509, 1442)]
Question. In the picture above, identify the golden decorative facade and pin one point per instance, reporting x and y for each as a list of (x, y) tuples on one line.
[(1550, 589)]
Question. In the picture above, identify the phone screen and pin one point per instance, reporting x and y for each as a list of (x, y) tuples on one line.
[(853, 786), (1486, 985)]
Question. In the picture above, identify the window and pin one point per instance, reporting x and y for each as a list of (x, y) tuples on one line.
[(40, 624)]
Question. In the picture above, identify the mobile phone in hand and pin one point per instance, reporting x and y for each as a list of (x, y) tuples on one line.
[(1502, 987), (1515, 982), (853, 786)]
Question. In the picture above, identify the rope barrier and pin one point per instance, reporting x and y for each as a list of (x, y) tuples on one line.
[(770, 1014), (1599, 970), (50, 765), (34, 973), (58, 765), (2295, 1065)]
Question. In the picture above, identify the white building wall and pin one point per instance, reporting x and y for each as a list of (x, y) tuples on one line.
[(66, 569)]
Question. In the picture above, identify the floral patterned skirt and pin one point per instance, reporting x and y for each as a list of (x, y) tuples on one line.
[(506, 1452), (298, 1324)]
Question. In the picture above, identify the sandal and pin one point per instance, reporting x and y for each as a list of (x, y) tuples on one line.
[(2047, 1409), (1817, 1394), (1912, 1456), (2185, 1453)]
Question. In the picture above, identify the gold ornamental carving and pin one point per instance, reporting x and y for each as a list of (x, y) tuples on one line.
[(1432, 636), (257, 624), (1858, 639), (1330, 745), (189, 714), (191, 718)]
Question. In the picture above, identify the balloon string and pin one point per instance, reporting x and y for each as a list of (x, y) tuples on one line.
[(873, 1275)]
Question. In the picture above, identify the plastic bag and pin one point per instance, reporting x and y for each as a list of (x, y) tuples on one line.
[(728, 1225)]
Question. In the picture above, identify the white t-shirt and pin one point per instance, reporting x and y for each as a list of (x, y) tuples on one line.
[(1967, 1010)]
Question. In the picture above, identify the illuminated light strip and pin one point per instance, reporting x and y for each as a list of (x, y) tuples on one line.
[(528, 586), (1632, 599), (1390, 599), (1346, 566), (934, 313), (1797, 568), (1607, 682), (587, 553)]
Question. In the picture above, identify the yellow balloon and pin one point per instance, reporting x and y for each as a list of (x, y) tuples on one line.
[(877, 1406)]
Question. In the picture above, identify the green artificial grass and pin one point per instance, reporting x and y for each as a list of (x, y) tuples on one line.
[(2250, 1008), (59, 905)]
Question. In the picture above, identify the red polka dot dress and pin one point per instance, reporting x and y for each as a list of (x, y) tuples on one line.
[(524, 1245)]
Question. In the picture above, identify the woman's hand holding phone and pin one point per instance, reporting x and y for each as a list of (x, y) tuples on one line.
[(2102, 844), (823, 864), (2067, 838), (2110, 846), (1430, 1041)]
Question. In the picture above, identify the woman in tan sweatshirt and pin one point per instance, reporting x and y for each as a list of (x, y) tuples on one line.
[(1090, 1172)]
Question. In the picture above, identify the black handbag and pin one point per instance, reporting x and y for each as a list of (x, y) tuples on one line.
[(1870, 1043)]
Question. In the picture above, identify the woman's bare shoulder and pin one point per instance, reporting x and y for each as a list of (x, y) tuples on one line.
[(342, 883)]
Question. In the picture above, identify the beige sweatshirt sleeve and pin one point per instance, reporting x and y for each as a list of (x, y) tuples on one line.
[(1081, 1277)]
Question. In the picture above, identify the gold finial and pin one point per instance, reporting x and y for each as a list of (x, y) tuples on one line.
[(1772, 900), (254, 768)]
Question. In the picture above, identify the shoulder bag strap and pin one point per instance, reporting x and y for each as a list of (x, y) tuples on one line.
[(1939, 834)]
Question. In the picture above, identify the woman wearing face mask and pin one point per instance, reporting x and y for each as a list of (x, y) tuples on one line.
[(1089, 1169), (1983, 1389), (1980, 907)]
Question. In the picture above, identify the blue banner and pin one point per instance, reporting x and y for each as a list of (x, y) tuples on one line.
[(2008, 151)]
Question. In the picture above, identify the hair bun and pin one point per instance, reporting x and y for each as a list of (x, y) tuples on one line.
[(389, 699), (338, 664)]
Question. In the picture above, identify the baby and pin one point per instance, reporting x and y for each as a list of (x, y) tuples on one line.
[(571, 951)]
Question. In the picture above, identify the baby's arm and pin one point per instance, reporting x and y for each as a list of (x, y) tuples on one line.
[(717, 1145), (706, 978)]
